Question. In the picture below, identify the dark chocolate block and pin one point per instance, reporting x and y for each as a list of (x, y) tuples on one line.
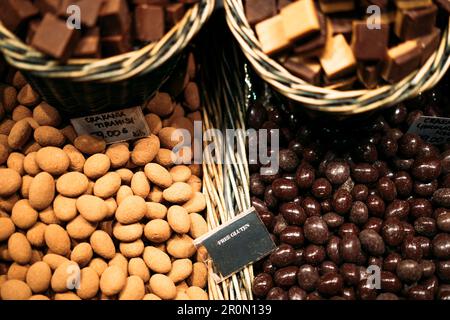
[(369, 44), (54, 38), (411, 24), (114, 18), (259, 10), (14, 13), (149, 23), (368, 75), (307, 70)]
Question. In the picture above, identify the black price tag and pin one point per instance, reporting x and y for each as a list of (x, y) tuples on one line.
[(434, 130), (237, 243)]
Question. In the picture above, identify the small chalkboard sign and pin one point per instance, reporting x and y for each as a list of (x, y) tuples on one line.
[(237, 243)]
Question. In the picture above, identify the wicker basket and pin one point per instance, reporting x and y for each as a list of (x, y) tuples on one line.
[(83, 86), (225, 186), (329, 100)]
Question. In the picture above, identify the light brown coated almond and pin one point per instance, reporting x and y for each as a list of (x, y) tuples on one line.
[(19, 248), (38, 277), (108, 185), (53, 160), (96, 166), (156, 210), (157, 260), (65, 208), (92, 208), (157, 231), (102, 244), (158, 175), (57, 239), (48, 136), (76, 158), (178, 219), (42, 191), (82, 254), (46, 115), (140, 184), (23, 215), (72, 184), (178, 192), (163, 287), (145, 150), (131, 210), (89, 144)]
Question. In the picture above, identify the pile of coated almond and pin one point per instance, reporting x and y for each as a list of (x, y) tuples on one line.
[(83, 220)]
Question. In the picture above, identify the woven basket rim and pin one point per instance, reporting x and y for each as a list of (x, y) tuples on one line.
[(333, 100), (111, 69)]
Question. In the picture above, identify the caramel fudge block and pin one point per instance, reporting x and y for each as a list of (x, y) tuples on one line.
[(149, 23), (401, 61), (411, 24), (369, 44), (332, 6), (259, 10), (53, 38), (271, 35), (337, 59), (412, 4), (306, 69), (368, 75), (429, 44), (300, 19), (14, 13), (89, 45), (313, 46)]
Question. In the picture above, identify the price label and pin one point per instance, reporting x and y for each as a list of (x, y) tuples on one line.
[(434, 130), (115, 126), (237, 243)]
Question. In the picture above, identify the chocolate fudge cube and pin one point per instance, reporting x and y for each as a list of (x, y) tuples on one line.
[(369, 44), (14, 13), (259, 10), (89, 45), (149, 23), (411, 24), (54, 38), (114, 18)]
